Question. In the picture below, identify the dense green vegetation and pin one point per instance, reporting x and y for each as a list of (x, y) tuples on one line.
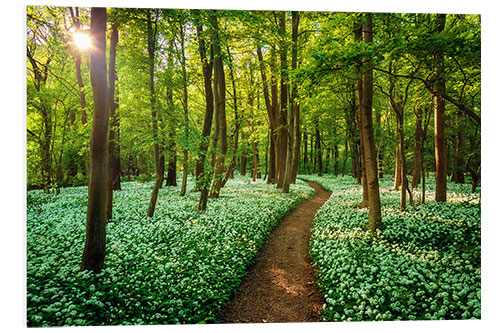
[(163, 146), (423, 264), (179, 267)]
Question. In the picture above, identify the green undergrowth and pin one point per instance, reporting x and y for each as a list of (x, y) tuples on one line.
[(425, 263), (181, 266)]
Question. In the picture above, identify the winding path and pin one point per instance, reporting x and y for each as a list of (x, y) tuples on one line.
[(280, 287)]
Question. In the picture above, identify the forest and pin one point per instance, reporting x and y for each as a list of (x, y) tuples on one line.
[(166, 147)]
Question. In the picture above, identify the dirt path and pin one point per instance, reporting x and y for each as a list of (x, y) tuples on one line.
[(280, 286)]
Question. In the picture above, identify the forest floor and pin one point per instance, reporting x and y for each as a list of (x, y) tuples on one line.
[(281, 286)]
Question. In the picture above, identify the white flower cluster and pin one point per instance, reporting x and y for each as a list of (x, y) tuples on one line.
[(181, 266), (425, 263)]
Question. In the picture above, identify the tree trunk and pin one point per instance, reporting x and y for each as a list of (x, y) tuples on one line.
[(439, 120), (422, 165), (319, 159), (232, 164), (243, 160), (158, 157), (283, 131), (201, 180), (171, 179), (375, 217), (417, 149), (220, 105), (378, 120), (271, 113), (460, 151), (95, 236), (404, 179), (296, 152), (397, 172), (346, 148), (288, 175), (359, 88), (113, 41), (186, 115)]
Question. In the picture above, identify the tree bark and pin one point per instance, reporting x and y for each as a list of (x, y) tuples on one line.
[(273, 121), (207, 66), (358, 34), (439, 120), (95, 236), (220, 105), (186, 114), (288, 175), (171, 179), (375, 216), (158, 157), (283, 129), (232, 164)]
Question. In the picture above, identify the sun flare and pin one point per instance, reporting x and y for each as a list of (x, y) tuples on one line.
[(82, 40)]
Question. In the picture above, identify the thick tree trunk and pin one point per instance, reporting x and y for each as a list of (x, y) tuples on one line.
[(220, 105), (209, 109), (375, 216), (95, 236), (439, 120)]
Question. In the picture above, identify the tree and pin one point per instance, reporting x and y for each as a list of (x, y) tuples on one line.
[(159, 158), (283, 104), (366, 126), (186, 114), (271, 113), (288, 177), (207, 65), (439, 119), (220, 129), (95, 236), (114, 160)]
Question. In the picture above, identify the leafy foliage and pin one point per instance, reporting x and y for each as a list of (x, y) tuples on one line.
[(424, 264), (181, 266)]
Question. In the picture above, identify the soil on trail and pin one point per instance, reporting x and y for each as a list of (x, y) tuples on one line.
[(281, 286)]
